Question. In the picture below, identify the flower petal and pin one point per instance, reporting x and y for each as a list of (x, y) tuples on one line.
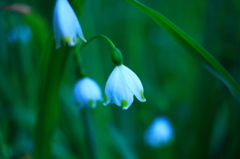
[(110, 86), (65, 23), (122, 95), (133, 83), (121, 86), (87, 92)]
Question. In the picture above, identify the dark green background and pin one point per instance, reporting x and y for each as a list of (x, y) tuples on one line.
[(204, 115)]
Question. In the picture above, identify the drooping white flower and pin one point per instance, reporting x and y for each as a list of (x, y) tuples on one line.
[(159, 133), (65, 24), (87, 92), (121, 85)]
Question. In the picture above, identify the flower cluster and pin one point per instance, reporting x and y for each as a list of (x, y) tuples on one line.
[(121, 86), (122, 83)]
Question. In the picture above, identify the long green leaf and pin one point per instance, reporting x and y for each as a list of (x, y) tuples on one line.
[(37, 22), (52, 68), (198, 52), (77, 6), (121, 143)]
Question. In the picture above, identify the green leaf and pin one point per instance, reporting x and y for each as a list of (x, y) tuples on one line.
[(121, 143), (197, 51), (52, 68), (53, 63), (39, 27), (77, 6)]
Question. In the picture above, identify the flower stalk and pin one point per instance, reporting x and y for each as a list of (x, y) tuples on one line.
[(90, 136)]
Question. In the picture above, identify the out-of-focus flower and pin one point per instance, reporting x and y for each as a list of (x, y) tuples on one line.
[(159, 133), (121, 85), (65, 24), (20, 33), (87, 92)]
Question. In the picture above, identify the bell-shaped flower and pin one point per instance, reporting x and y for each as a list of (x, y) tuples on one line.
[(65, 24), (87, 92), (121, 85)]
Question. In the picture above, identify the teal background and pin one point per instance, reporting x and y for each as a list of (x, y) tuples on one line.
[(204, 115)]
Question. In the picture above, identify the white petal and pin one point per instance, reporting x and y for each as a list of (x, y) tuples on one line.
[(122, 95), (110, 86), (117, 90), (133, 82), (87, 92), (121, 85), (57, 36), (80, 33), (65, 23)]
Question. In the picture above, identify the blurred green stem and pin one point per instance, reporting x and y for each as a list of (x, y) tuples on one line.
[(90, 136), (3, 147), (78, 65), (121, 143)]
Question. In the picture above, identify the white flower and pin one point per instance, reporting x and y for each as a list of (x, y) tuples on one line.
[(65, 24), (87, 92), (121, 85), (159, 133)]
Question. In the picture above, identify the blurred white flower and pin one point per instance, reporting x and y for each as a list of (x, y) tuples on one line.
[(159, 133), (121, 85), (65, 24), (87, 92)]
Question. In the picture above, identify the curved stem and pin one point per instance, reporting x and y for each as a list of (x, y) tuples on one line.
[(78, 48), (99, 36)]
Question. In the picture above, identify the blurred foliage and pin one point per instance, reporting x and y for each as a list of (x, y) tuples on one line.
[(204, 116)]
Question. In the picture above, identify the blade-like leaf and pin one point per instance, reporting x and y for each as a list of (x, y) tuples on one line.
[(121, 143), (37, 22), (77, 6), (198, 52), (52, 68)]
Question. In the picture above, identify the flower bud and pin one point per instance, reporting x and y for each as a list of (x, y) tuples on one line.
[(117, 57)]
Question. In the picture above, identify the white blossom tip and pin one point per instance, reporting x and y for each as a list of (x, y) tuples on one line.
[(83, 38), (143, 99)]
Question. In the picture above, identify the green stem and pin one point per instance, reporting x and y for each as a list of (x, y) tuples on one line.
[(99, 36), (90, 136), (116, 54), (3, 147), (80, 70)]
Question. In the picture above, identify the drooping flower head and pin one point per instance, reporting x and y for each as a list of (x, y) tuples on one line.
[(87, 92), (121, 86), (65, 24)]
